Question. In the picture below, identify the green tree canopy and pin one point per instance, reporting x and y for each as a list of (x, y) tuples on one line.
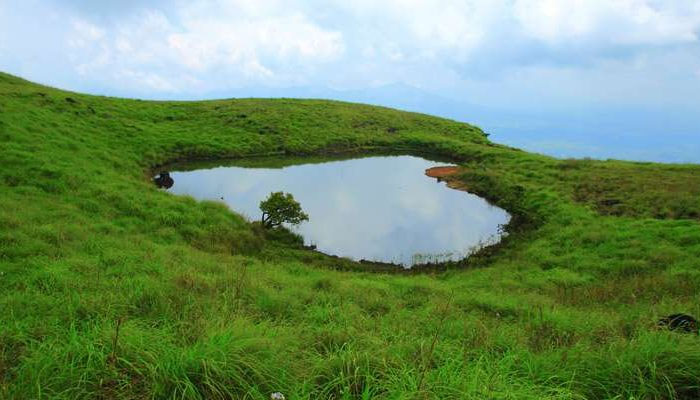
[(281, 207)]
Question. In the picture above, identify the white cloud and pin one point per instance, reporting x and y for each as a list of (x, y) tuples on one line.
[(423, 29), (141, 40), (206, 43), (84, 33), (628, 22), (240, 40), (101, 60), (149, 80)]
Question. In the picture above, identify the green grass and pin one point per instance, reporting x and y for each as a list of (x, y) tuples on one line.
[(210, 307)]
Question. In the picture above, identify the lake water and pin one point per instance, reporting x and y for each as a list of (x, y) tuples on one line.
[(376, 208)]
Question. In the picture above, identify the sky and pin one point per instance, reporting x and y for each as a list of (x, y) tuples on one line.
[(613, 78)]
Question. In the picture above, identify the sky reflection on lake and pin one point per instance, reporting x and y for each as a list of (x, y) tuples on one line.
[(375, 208)]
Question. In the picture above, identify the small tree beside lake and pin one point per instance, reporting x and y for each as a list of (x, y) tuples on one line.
[(281, 207)]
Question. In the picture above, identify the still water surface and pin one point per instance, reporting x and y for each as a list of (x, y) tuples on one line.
[(375, 208)]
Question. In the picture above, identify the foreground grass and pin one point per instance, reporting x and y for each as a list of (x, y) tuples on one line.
[(110, 288)]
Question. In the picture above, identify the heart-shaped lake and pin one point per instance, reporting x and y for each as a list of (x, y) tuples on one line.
[(375, 208)]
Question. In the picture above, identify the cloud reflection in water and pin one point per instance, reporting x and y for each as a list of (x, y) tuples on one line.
[(375, 208)]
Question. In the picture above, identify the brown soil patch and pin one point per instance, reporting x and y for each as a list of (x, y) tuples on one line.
[(440, 172), (445, 174)]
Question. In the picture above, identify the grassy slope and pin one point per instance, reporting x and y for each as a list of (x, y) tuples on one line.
[(207, 307)]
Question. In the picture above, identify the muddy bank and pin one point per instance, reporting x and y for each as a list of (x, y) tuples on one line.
[(441, 172), (446, 174)]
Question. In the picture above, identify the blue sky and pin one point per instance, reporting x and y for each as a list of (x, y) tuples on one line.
[(567, 77)]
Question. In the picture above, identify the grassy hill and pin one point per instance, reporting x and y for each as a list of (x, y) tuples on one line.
[(110, 288)]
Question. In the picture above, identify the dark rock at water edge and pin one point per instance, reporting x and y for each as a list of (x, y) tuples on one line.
[(164, 180)]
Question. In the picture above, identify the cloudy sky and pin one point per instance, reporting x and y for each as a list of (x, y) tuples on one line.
[(613, 61)]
